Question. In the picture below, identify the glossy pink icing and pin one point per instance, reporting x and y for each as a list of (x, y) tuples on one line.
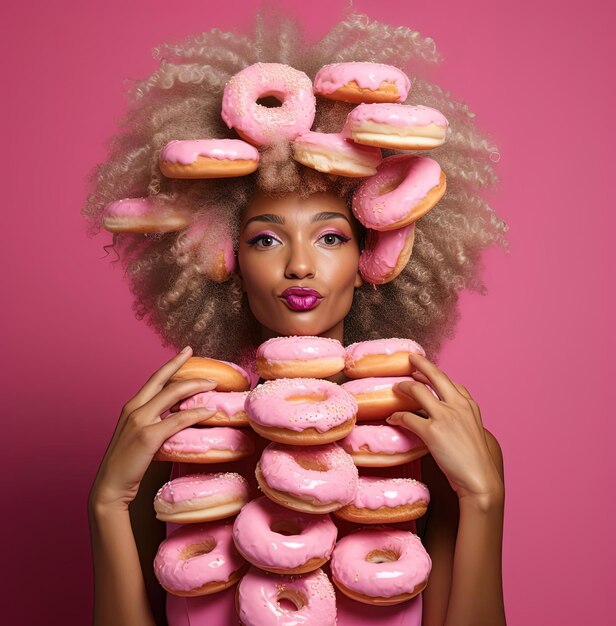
[(381, 252), (375, 493), (263, 125), (336, 143), (239, 369), (258, 594), (367, 76), (188, 151), (399, 115), (358, 350), (262, 546), (414, 177), (349, 565), (267, 404), (219, 488), (137, 207), (282, 349), (175, 572), (380, 439), (230, 403), (373, 384), (203, 439), (281, 469)]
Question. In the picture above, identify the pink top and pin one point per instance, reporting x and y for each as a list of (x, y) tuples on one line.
[(292, 348), (188, 151), (358, 350), (391, 578), (271, 404), (219, 488), (258, 594), (282, 470), (380, 439), (375, 493), (194, 439), (185, 574), (401, 115), (253, 534), (367, 76), (379, 211), (230, 403), (263, 125)]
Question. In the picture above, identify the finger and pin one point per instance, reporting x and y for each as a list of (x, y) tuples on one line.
[(172, 394), (462, 390), (176, 422), (410, 421), (158, 379), (420, 393), (422, 378), (438, 380)]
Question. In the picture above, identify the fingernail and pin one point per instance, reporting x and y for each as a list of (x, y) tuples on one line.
[(392, 419), (184, 350)]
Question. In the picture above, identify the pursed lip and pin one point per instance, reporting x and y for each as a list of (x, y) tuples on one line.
[(301, 298)]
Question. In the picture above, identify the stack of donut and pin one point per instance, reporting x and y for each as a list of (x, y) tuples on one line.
[(398, 190)]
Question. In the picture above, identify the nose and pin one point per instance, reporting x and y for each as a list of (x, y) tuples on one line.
[(300, 263)]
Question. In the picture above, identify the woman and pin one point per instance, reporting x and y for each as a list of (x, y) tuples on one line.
[(292, 227)]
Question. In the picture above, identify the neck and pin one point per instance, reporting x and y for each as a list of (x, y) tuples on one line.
[(336, 332)]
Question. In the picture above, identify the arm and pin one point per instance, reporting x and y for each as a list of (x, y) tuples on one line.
[(465, 475), (120, 595)]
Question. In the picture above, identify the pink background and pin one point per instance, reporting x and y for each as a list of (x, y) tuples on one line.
[(534, 352)]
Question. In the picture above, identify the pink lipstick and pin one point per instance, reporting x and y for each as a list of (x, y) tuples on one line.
[(301, 298)]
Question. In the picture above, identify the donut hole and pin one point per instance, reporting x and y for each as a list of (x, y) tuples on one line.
[(312, 464), (391, 185), (382, 555), (286, 527), (271, 100), (307, 398), (198, 549), (289, 600)]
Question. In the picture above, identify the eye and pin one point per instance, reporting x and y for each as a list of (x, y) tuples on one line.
[(333, 239), (263, 241)]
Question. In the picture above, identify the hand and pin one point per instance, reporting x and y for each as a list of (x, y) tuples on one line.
[(452, 430), (141, 431)]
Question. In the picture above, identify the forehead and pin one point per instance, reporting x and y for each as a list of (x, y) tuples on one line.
[(292, 206)]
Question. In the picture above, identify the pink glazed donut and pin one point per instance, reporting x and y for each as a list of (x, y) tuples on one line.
[(319, 479), (229, 407), (278, 540), (199, 559), (259, 595), (380, 357), (380, 566), (382, 445), (386, 501), (142, 215), (201, 497), (261, 125), (206, 445), (301, 411), (300, 357), (386, 254), (404, 189)]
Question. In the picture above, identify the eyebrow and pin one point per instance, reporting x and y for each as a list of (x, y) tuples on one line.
[(276, 219)]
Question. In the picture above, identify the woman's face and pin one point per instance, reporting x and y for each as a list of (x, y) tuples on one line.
[(298, 260)]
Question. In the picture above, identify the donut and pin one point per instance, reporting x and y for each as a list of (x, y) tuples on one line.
[(380, 566), (376, 399), (301, 411), (207, 243), (206, 445), (199, 559), (208, 158), (263, 125), (386, 501), (362, 82), (319, 479), (380, 357), (261, 595), (333, 154), (382, 445), (201, 497), (386, 254), (278, 540), (396, 126), (229, 407), (300, 357), (142, 215), (228, 376), (404, 189)]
